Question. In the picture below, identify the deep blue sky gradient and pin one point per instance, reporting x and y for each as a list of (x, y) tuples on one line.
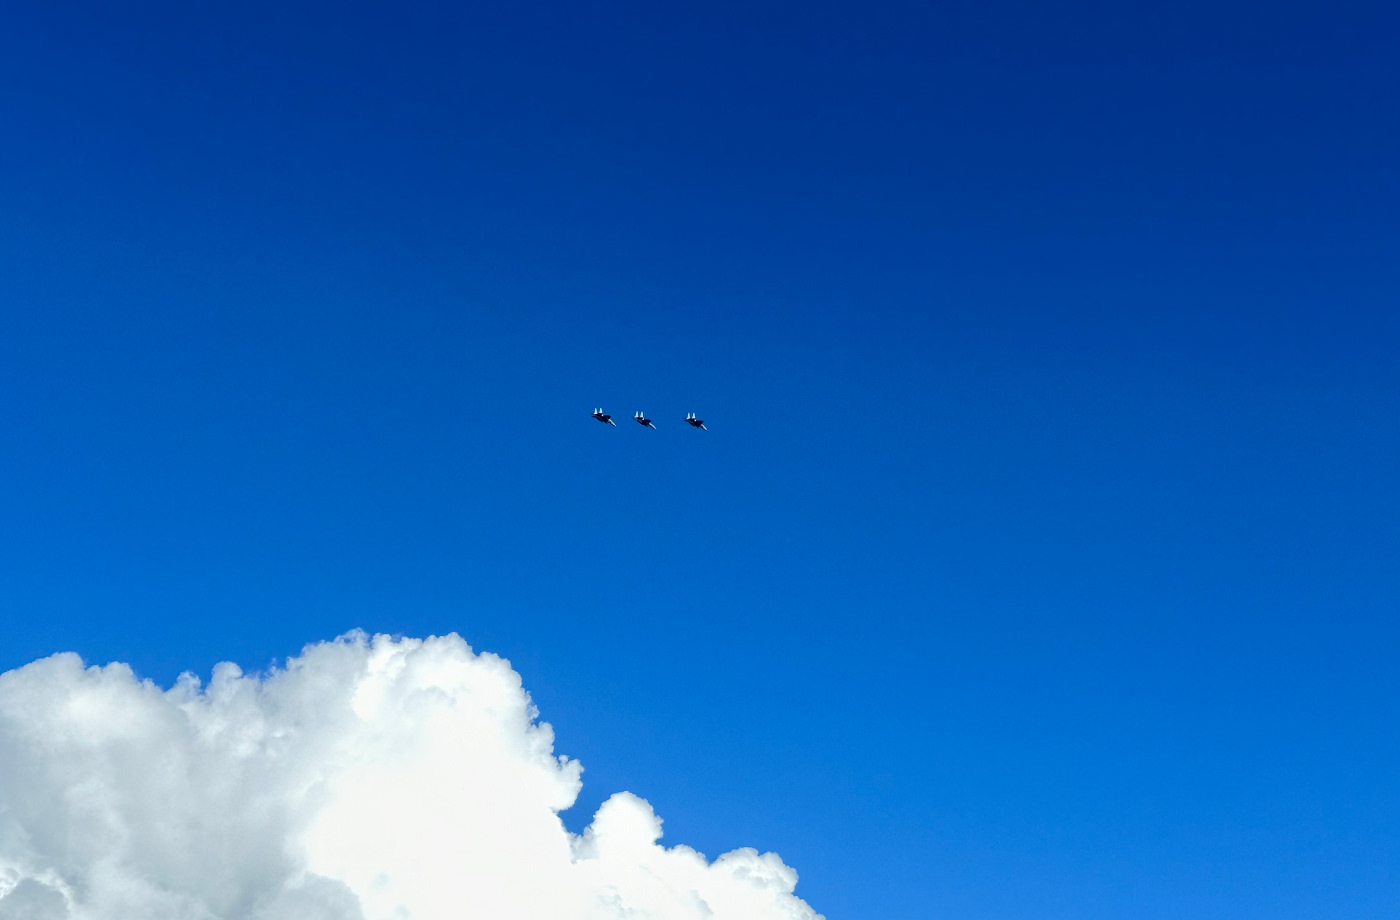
[(1041, 558)]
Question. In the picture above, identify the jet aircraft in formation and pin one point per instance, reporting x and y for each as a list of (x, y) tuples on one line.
[(640, 419)]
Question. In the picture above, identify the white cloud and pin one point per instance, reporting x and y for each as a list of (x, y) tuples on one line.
[(367, 780)]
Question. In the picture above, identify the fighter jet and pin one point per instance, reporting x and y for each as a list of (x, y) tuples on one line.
[(603, 417), (644, 422), (694, 422)]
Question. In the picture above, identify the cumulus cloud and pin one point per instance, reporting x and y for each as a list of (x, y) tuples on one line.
[(368, 779)]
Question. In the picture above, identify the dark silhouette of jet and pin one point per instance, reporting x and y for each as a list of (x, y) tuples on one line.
[(643, 421), (603, 417), (694, 422)]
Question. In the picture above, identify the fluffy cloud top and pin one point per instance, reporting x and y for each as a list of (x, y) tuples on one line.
[(367, 780)]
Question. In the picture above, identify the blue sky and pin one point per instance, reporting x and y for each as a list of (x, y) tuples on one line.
[(1040, 559)]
